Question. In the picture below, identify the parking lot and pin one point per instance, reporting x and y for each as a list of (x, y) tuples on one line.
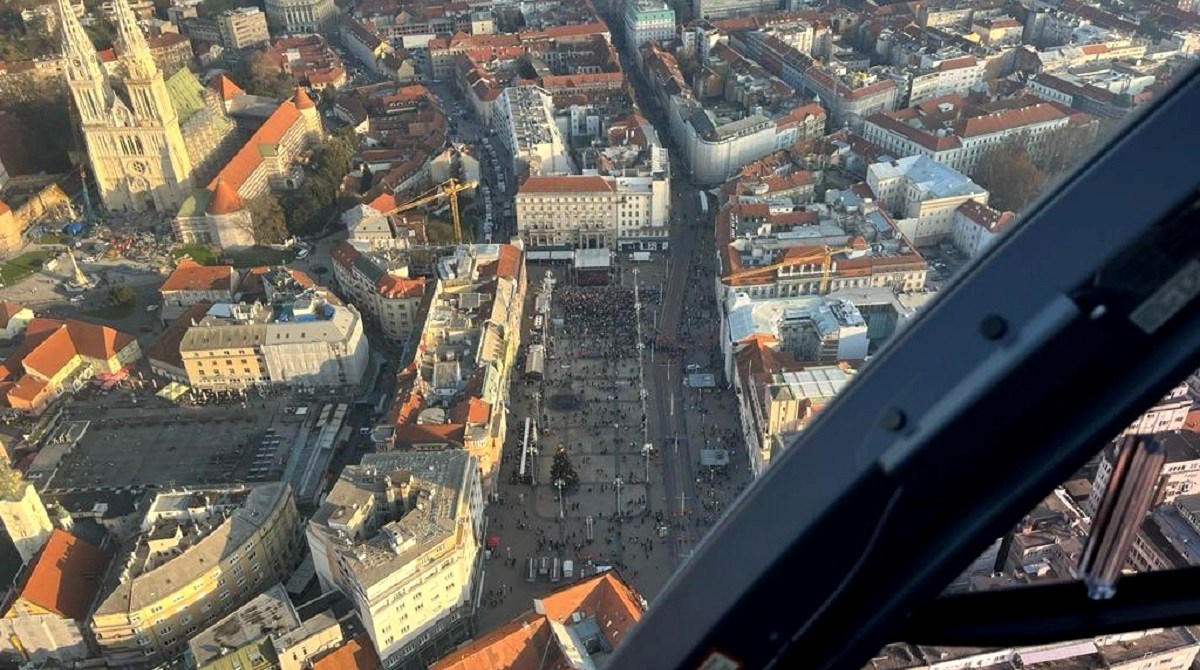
[(159, 443)]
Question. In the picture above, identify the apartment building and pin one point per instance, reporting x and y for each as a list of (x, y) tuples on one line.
[(453, 394), (957, 134), (377, 282), (593, 211), (976, 226), (243, 27), (922, 196), (721, 9), (299, 337), (400, 534), (201, 555), (647, 20), (937, 77), (524, 119), (1181, 472), (778, 396)]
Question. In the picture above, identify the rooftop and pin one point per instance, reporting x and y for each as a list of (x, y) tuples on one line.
[(269, 614), (430, 488), (65, 577), (137, 590), (933, 179)]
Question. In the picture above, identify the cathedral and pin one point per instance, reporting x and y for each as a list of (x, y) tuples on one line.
[(137, 149)]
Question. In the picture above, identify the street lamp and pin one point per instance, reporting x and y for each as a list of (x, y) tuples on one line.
[(562, 511), (618, 483)]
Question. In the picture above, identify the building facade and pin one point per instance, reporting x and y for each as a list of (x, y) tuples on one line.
[(202, 554), (647, 20), (301, 16), (298, 339), (136, 151), (243, 27), (378, 283), (400, 535), (592, 212)]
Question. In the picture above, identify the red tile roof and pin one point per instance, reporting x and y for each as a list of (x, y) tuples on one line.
[(302, 100), (526, 643), (568, 184), (52, 353), (990, 219), (166, 347), (66, 576), (225, 87), (355, 654), (8, 309), (4, 208), (509, 265), (391, 286), (225, 199), (191, 276), (249, 157)]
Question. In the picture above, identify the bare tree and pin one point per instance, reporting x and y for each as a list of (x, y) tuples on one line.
[(1010, 175)]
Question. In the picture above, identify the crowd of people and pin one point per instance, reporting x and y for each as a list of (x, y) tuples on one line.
[(599, 320)]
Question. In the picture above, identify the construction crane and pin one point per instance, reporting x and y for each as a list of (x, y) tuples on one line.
[(447, 189)]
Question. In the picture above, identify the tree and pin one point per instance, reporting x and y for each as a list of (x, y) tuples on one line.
[(1065, 148), (561, 468), (311, 207), (266, 215), (42, 108), (257, 74), (121, 295), (1010, 175)]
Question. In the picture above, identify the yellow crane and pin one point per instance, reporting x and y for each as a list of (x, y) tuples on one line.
[(447, 189)]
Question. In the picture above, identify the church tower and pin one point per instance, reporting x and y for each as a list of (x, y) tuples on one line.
[(133, 140)]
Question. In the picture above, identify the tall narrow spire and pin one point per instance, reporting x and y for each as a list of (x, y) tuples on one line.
[(82, 63), (135, 52)]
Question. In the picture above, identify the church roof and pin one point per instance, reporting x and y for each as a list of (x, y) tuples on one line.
[(302, 100), (225, 199), (225, 87), (187, 95)]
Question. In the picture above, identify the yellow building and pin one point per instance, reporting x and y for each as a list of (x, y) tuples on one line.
[(135, 148), (400, 535), (202, 555)]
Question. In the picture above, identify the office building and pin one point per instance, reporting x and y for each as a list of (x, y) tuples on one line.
[(647, 20), (922, 195), (722, 9), (400, 535), (524, 119)]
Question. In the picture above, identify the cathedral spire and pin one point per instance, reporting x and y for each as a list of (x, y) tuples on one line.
[(135, 52), (82, 62)]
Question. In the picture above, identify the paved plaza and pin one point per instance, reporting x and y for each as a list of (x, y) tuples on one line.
[(589, 403)]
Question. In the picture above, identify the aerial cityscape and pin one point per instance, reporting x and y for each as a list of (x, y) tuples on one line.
[(430, 334)]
